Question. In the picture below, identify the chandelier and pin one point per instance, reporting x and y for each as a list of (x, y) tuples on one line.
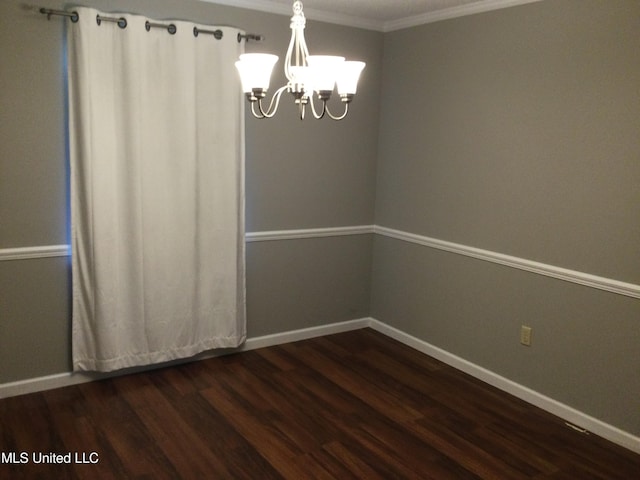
[(305, 74)]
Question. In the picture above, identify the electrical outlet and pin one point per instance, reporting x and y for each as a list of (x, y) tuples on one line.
[(525, 335)]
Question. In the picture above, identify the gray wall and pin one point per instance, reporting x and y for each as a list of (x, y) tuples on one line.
[(298, 175), (518, 131)]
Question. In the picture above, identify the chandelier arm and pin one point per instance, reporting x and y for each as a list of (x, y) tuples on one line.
[(301, 47), (287, 60), (296, 47), (273, 105), (253, 110), (338, 117), (276, 98), (304, 50), (313, 108)]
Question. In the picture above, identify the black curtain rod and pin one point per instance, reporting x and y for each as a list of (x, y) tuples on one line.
[(122, 22), (171, 28)]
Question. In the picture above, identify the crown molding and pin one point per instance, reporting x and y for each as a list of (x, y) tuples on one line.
[(480, 6)]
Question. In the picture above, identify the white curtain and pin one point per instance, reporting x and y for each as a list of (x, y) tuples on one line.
[(156, 138)]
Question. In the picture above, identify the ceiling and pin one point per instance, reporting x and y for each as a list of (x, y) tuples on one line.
[(383, 15)]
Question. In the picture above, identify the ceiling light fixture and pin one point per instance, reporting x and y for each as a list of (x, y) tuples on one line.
[(305, 74)]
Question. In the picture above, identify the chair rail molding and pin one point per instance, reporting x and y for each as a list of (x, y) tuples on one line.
[(553, 271), (308, 233), (560, 273), (25, 253)]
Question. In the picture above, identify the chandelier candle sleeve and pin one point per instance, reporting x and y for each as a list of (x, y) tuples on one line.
[(305, 75)]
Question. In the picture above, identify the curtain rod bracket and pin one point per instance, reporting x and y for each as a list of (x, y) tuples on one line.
[(256, 37), (72, 15)]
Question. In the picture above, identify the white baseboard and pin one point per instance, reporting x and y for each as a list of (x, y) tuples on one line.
[(49, 382), (305, 333), (550, 405)]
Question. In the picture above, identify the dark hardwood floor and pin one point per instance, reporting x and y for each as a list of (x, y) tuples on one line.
[(351, 405)]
